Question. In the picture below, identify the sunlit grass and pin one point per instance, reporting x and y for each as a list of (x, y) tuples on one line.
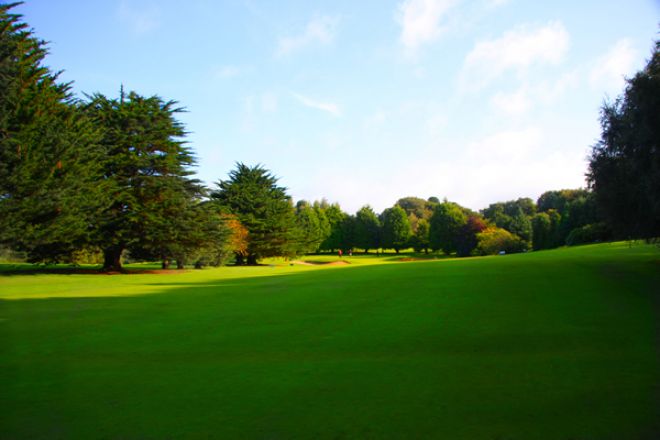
[(546, 345)]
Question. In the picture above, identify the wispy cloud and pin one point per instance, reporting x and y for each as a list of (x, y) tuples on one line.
[(328, 107), (609, 70), (533, 93), (142, 18), (516, 51), (422, 21), (319, 30)]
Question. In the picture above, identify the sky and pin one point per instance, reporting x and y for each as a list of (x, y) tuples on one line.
[(365, 102)]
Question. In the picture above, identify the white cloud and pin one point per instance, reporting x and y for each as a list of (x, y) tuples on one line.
[(328, 107), (512, 145), (319, 30), (529, 95), (421, 21), (516, 51), (141, 20), (496, 3), (514, 103), (609, 70)]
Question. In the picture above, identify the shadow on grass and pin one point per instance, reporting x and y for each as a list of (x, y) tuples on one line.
[(9, 269), (288, 350)]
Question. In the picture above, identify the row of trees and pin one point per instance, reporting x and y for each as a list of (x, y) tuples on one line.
[(557, 218), (112, 176)]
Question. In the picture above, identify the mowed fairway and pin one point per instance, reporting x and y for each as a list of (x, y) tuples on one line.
[(548, 345)]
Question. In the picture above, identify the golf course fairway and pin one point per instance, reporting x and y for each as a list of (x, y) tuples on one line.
[(558, 344)]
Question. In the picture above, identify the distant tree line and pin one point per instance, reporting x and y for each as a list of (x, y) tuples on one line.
[(104, 178)]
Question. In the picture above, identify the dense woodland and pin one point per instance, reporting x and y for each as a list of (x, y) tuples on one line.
[(102, 179)]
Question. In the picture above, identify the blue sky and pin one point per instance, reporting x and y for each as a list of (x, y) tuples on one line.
[(365, 102)]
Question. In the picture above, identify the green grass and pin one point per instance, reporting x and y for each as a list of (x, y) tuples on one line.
[(547, 345)]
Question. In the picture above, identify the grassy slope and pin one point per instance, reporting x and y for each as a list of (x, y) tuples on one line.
[(549, 345)]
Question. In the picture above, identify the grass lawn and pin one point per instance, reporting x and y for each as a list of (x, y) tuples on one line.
[(547, 345)]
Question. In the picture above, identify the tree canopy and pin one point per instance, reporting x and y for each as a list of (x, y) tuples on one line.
[(396, 229), (146, 168), (49, 156), (624, 166), (263, 208)]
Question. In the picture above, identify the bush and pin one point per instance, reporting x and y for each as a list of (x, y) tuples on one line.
[(591, 233), (493, 240), (11, 256)]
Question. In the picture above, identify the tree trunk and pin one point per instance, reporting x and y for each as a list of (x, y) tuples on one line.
[(240, 259), (165, 264), (252, 260), (112, 259), (180, 263), (396, 250)]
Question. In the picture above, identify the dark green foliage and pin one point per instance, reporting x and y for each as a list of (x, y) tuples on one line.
[(521, 225), (624, 168), (146, 169), (396, 230), (542, 231), (510, 209), (367, 229), (559, 200), (311, 232), (568, 209), (49, 160), (592, 233), (264, 208), (335, 238), (348, 234), (446, 222)]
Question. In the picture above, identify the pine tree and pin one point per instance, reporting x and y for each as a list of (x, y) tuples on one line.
[(49, 157), (146, 168), (264, 208), (624, 167)]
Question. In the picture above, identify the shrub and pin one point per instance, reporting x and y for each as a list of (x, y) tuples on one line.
[(588, 234), (493, 240)]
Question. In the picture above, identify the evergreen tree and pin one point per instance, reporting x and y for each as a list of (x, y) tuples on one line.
[(264, 208), (146, 168), (624, 167), (49, 158)]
